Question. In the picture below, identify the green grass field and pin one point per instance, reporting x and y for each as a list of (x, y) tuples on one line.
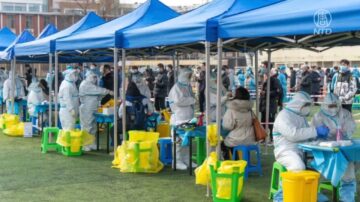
[(28, 175)]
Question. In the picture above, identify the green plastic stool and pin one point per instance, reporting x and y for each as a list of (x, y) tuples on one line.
[(45, 144), (67, 150), (328, 186), (275, 178), (200, 155), (235, 176)]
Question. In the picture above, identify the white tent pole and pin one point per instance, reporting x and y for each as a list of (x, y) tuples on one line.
[(268, 96), (218, 97), (207, 99), (123, 61), (50, 88), (257, 82), (177, 65), (13, 85), (116, 89), (56, 90), (174, 65)]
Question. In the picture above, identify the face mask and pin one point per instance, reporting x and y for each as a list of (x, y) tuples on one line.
[(305, 111), (343, 69), (134, 71), (333, 111)]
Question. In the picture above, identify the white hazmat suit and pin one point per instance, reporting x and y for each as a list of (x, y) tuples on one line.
[(35, 97), (182, 104), (339, 120), (90, 96), (290, 129), (3, 77), (69, 101), (19, 93), (213, 98)]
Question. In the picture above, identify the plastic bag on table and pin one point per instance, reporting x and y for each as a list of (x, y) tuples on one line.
[(202, 173)]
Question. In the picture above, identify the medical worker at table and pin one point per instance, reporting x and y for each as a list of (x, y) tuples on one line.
[(35, 97), (19, 94), (69, 100), (90, 96), (342, 126), (292, 128), (182, 104)]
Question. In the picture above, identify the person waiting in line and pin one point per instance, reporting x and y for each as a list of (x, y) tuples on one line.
[(292, 79), (225, 77), (19, 94), (315, 84), (160, 89), (201, 87), (342, 126), (305, 82), (345, 85), (150, 79), (171, 76), (238, 120), (275, 98), (107, 82)]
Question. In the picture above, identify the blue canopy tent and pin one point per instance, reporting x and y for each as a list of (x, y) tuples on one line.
[(6, 38), (47, 31), (194, 27), (303, 24), (8, 53), (46, 46), (104, 37)]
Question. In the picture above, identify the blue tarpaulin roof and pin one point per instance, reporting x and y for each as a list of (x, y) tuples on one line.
[(294, 17), (8, 53), (6, 38), (194, 26), (103, 36), (47, 45), (47, 31)]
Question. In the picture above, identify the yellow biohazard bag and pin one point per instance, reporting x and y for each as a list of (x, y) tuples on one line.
[(15, 130), (212, 135), (139, 154), (202, 173), (7, 120), (224, 185), (166, 114), (74, 139)]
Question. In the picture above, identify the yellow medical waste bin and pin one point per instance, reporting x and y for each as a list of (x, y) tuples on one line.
[(300, 186)]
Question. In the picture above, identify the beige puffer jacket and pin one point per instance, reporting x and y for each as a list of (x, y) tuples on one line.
[(238, 120)]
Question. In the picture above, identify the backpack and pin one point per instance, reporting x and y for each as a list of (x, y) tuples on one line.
[(135, 114)]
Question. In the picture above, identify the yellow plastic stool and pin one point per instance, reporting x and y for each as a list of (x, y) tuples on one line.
[(300, 186)]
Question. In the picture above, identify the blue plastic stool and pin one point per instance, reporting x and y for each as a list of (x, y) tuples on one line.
[(246, 156), (165, 150)]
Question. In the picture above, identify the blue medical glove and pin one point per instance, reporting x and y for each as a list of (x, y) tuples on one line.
[(322, 132)]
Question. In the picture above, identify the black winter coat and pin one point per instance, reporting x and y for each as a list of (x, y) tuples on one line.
[(161, 85)]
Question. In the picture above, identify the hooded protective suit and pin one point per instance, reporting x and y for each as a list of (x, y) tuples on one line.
[(90, 96), (3, 77), (339, 120), (291, 128), (69, 100), (283, 82), (182, 99), (241, 77), (19, 93), (182, 104), (35, 97)]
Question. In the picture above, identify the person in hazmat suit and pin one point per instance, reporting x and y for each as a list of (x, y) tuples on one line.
[(69, 101), (342, 126), (283, 81), (250, 82), (19, 94), (241, 78), (35, 97), (182, 103), (292, 128), (90, 96)]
